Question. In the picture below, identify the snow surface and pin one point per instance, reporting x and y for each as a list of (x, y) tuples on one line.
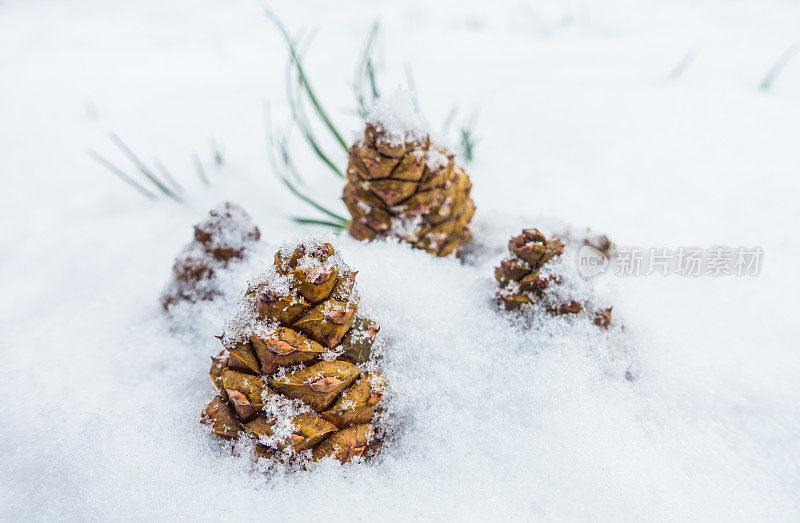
[(583, 121)]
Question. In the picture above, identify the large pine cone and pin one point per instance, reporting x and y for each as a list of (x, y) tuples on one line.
[(225, 235), (296, 373), (523, 281), (408, 188)]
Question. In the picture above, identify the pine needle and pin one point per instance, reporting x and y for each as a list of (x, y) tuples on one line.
[(168, 176), (372, 84), (365, 70), (127, 179), (289, 165), (682, 66), (201, 172), (777, 68), (278, 149), (311, 221), (412, 87), (143, 168), (468, 141), (219, 157), (449, 120), (304, 81), (298, 114)]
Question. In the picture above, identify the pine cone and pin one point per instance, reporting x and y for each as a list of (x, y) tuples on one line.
[(522, 280), (400, 184), (225, 235), (288, 376)]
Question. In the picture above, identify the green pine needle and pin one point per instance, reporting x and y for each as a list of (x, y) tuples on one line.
[(301, 119), (121, 174), (412, 87), (366, 70), (283, 169), (304, 81), (168, 176), (143, 168), (777, 68), (312, 221), (449, 120), (201, 172)]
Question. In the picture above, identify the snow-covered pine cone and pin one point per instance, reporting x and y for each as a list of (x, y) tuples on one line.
[(296, 373), (523, 278), (225, 235), (401, 185)]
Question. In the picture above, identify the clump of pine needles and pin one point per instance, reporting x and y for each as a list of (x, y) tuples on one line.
[(301, 95), (158, 181), (302, 100)]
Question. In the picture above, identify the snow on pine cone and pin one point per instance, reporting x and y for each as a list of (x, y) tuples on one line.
[(225, 235), (535, 274), (296, 374), (401, 185)]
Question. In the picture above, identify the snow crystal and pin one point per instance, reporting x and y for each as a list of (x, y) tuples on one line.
[(436, 159), (399, 119), (308, 261), (245, 320), (406, 227), (280, 410), (228, 227), (569, 285)]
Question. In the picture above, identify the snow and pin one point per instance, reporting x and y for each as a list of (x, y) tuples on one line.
[(406, 226), (569, 284), (228, 227), (436, 160), (396, 116), (279, 411), (580, 125), (244, 321), (314, 266)]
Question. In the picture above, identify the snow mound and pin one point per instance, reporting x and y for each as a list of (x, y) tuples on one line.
[(227, 231), (398, 118)]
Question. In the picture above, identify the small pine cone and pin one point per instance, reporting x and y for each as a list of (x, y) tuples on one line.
[(288, 374), (225, 235), (522, 280), (401, 185)]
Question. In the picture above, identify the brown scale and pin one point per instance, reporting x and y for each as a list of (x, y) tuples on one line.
[(387, 182), (318, 314)]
